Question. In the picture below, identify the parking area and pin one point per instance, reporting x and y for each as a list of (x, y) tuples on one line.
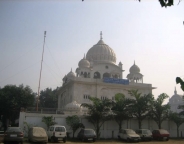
[(171, 141)]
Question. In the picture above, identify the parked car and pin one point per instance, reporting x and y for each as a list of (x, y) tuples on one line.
[(128, 135), (87, 135), (13, 134), (160, 134), (145, 134), (37, 134), (57, 133)]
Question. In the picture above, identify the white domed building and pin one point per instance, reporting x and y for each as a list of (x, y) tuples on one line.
[(98, 75)]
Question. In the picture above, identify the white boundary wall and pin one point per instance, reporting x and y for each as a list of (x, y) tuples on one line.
[(108, 130)]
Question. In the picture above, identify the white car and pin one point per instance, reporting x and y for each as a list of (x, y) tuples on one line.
[(57, 133), (128, 135)]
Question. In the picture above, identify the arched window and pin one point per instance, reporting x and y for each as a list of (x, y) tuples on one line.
[(106, 75), (85, 74), (97, 75), (88, 75)]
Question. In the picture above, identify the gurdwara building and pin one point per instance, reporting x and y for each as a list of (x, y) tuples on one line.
[(98, 75)]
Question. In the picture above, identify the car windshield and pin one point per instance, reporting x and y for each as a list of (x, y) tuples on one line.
[(13, 129), (59, 129), (130, 131), (89, 131), (164, 132), (146, 132)]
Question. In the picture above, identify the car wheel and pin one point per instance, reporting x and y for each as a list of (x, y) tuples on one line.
[(128, 140), (21, 142), (94, 140)]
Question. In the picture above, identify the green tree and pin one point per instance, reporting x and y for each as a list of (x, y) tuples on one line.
[(120, 109), (48, 98), (159, 112), (164, 3), (98, 112), (177, 119), (74, 123), (141, 105), (12, 99), (181, 82), (48, 120)]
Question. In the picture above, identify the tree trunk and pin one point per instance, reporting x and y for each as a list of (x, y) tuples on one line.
[(139, 121), (73, 134), (159, 125), (177, 131), (120, 126)]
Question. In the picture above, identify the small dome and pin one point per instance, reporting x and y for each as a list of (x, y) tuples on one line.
[(84, 63), (71, 75), (73, 106), (101, 53), (134, 69)]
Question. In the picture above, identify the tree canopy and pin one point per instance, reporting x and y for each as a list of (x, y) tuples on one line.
[(181, 82), (140, 105), (74, 123), (48, 98), (12, 99), (98, 112), (159, 112), (177, 119), (48, 120), (120, 109)]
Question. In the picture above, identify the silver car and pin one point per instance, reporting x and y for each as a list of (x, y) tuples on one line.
[(128, 135)]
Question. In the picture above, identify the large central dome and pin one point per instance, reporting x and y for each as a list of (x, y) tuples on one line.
[(101, 53)]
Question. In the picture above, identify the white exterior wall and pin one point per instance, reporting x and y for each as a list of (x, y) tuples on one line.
[(108, 130), (76, 89)]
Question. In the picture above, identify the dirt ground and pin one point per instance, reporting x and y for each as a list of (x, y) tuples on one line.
[(171, 141)]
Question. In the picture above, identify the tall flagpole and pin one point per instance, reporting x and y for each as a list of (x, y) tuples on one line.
[(40, 73)]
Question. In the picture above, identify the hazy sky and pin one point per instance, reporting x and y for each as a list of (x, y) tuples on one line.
[(142, 31)]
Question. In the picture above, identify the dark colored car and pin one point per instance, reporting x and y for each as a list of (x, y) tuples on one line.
[(13, 134), (145, 134), (37, 134), (87, 135), (160, 134)]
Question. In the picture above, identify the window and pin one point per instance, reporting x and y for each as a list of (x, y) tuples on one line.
[(86, 96), (59, 129), (103, 97)]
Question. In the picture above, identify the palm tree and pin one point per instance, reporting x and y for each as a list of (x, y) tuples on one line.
[(159, 112), (177, 119), (98, 112), (120, 109), (140, 105), (48, 120), (74, 123)]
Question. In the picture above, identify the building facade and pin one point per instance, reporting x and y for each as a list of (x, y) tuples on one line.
[(98, 75)]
